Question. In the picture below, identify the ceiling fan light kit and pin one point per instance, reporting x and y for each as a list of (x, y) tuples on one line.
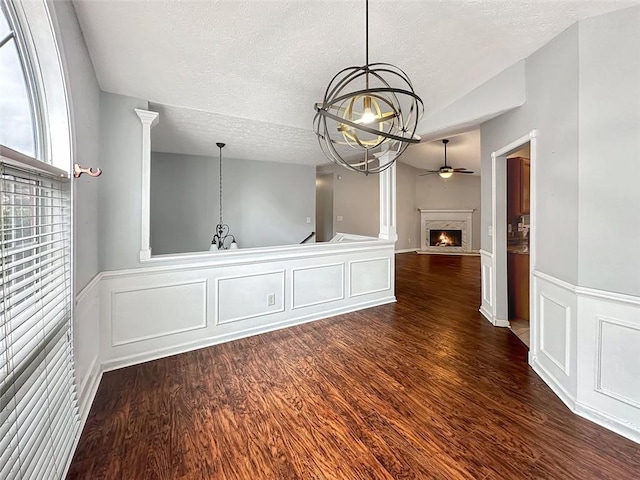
[(446, 171), (372, 108)]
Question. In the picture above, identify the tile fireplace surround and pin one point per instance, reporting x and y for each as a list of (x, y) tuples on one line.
[(446, 220)]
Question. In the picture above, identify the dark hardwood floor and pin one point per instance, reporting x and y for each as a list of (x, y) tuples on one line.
[(423, 389)]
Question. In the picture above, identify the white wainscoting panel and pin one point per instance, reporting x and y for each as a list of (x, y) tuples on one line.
[(618, 360), (86, 325), (609, 342), (162, 310), (242, 297), (553, 353), (155, 311), (486, 277), (369, 276), (316, 285), (555, 331)]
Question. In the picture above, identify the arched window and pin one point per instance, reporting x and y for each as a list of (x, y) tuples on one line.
[(38, 414), (20, 120)]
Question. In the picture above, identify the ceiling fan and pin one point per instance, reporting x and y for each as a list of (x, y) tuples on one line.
[(446, 171)]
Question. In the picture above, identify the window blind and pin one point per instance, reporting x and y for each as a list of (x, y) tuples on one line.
[(38, 402)]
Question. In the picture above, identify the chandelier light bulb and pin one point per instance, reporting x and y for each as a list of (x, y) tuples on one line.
[(368, 116)]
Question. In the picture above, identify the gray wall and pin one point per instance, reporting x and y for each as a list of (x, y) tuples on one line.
[(609, 175), (457, 192), (84, 94), (324, 207), (407, 207), (264, 203), (552, 109), (583, 97), (356, 198), (121, 182)]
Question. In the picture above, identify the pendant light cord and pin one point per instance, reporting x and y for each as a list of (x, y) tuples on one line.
[(366, 39), (220, 185)]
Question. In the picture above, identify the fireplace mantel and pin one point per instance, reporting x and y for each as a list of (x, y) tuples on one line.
[(446, 219)]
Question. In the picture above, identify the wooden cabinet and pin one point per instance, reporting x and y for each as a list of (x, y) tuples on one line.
[(518, 285), (518, 187)]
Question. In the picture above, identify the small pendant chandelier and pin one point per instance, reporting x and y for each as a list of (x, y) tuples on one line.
[(372, 108), (222, 239)]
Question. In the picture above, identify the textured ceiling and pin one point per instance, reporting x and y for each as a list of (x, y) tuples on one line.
[(263, 64)]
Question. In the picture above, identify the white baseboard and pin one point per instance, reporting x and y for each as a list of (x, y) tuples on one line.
[(472, 253), (125, 361), (407, 250), (553, 384), (627, 430), (486, 314), (88, 389), (496, 322)]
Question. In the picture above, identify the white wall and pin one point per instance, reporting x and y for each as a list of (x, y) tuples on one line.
[(457, 192), (264, 203)]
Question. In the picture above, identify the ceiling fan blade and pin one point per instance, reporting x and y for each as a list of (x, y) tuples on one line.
[(428, 173), (462, 170)]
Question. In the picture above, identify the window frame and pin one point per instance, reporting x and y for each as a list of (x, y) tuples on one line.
[(33, 82)]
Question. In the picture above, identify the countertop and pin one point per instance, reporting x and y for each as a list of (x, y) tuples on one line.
[(518, 248)]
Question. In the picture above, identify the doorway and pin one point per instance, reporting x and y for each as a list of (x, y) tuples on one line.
[(518, 230), (499, 286)]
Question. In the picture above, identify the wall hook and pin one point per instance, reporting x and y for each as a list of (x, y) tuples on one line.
[(78, 170)]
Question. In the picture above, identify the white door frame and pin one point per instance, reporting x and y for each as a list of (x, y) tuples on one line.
[(499, 236)]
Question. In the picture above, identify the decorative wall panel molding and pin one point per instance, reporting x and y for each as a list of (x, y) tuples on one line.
[(369, 276), (488, 285), (230, 299), (242, 297), (318, 284), (140, 314), (555, 331), (553, 348), (617, 374)]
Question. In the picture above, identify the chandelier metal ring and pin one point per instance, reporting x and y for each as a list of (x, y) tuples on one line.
[(371, 108)]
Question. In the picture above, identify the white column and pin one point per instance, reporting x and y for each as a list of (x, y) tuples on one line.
[(387, 180), (148, 119)]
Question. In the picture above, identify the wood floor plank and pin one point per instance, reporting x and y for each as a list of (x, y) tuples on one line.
[(421, 389)]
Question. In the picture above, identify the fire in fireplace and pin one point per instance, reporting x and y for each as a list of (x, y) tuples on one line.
[(445, 238)]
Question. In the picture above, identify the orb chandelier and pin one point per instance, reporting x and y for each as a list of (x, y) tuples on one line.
[(222, 239), (371, 109)]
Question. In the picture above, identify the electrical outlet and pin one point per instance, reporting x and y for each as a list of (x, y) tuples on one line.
[(339, 219), (308, 219), (409, 240), (271, 299)]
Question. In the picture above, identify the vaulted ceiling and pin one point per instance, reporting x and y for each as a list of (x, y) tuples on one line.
[(249, 72)]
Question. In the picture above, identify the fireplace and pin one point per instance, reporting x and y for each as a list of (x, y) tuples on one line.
[(446, 231), (445, 238)]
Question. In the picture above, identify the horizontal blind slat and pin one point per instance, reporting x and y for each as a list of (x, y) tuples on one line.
[(38, 395)]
